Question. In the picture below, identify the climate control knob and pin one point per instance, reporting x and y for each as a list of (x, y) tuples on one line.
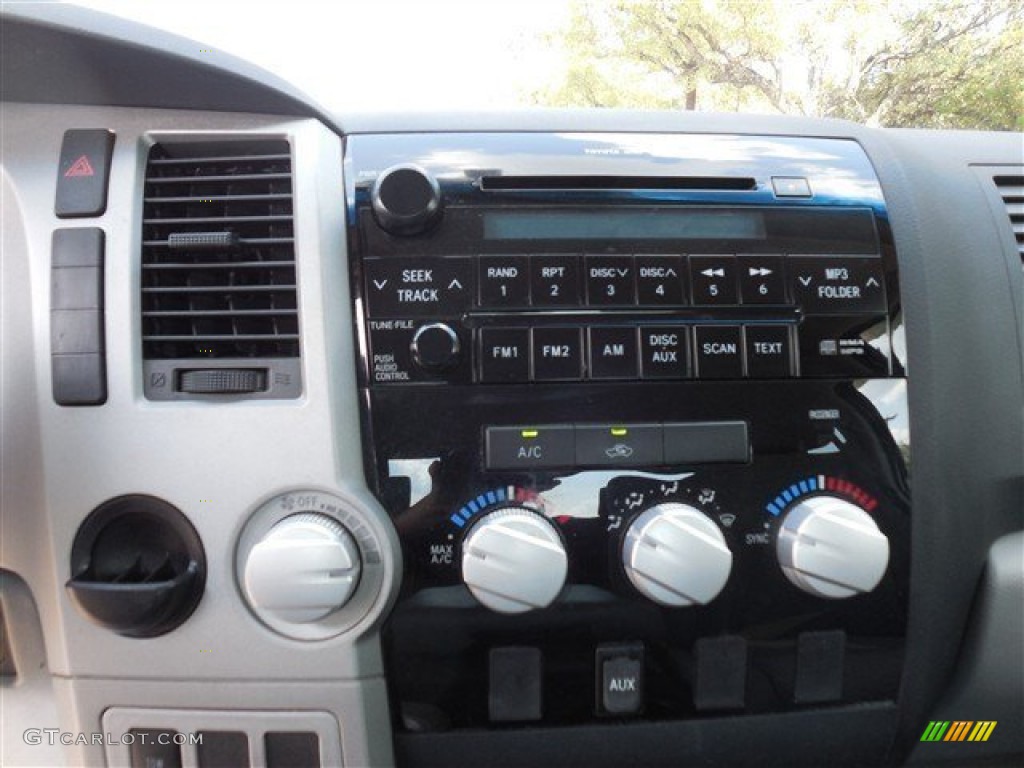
[(305, 568), (513, 560), (406, 200), (676, 556), (832, 548)]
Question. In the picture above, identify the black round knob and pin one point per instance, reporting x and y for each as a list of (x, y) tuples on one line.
[(406, 200), (435, 347)]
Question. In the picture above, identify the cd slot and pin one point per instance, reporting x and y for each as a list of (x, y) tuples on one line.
[(701, 183)]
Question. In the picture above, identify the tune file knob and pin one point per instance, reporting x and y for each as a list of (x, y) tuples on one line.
[(406, 200), (305, 568), (674, 555), (435, 346), (832, 548), (513, 560)]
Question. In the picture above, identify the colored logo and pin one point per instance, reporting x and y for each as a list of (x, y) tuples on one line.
[(958, 730)]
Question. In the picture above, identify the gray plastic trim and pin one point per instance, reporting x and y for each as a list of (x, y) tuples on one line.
[(119, 721), (989, 679)]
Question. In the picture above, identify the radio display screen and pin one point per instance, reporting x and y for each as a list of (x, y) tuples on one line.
[(657, 224)]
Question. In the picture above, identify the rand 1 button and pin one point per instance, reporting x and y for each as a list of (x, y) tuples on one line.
[(504, 281), (840, 285), (762, 280), (555, 280), (713, 279), (719, 352), (529, 447), (622, 445), (505, 355), (418, 287), (664, 352), (613, 353), (769, 351), (610, 280), (557, 354), (660, 280)]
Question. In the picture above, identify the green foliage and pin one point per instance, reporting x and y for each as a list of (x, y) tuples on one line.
[(924, 63)]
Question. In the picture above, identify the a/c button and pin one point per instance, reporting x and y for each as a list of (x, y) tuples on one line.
[(530, 447)]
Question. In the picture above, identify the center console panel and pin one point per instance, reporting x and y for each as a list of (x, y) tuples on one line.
[(637, 407)]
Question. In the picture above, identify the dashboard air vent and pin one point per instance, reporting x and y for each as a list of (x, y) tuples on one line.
[(218, 252), (1011, 189)]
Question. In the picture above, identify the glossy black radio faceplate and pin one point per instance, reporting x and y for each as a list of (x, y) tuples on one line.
[(828, 417)]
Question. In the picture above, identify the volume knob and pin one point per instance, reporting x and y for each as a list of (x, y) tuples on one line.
[(513, 561), (831, 548), (674, 555), (406, 200)]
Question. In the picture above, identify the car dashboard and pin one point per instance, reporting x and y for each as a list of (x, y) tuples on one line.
[(527, 438)]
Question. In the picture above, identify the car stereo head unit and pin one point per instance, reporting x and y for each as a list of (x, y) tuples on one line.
[(637, 406)]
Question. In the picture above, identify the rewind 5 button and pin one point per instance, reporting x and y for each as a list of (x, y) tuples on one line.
[(713, 279)]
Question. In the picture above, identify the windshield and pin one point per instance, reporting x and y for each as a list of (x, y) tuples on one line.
[(912, 63)]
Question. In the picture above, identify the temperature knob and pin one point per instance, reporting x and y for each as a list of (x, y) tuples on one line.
[(674, 555), (305, 568), (832, 548), (406, 200), (513, 560)]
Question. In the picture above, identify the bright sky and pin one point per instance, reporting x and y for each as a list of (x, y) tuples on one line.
[(378, 54)]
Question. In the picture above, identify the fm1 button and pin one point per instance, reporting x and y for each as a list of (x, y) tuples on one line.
[(505, 355), (664, 352), (719, 354), (620, 679), (529, 447)]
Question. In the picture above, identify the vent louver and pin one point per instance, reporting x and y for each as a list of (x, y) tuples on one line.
[(1011, 189), (218, 254)]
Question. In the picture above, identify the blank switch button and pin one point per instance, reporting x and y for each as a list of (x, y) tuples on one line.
[(292, 749), (223, 749), (154, 749)]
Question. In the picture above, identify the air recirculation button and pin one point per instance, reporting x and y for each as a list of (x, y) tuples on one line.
[(138, 567)]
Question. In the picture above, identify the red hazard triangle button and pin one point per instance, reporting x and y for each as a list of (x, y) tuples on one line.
[(81, 167)]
